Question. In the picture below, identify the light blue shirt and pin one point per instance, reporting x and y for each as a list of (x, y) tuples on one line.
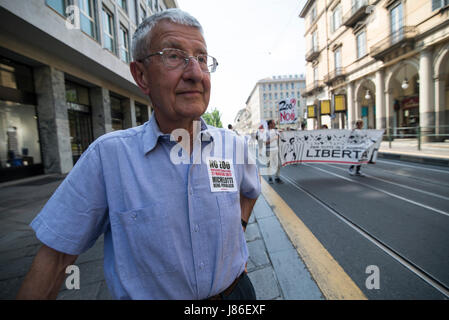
[(167, 235)]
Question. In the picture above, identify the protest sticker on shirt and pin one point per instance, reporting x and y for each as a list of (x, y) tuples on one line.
[(221, 175)]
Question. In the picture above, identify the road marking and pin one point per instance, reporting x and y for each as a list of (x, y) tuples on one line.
[(386, 192), (330, 277), (415, 167), (406, 263), (398, 184)]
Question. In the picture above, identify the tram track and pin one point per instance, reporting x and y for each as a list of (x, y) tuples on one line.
[(413, 267)]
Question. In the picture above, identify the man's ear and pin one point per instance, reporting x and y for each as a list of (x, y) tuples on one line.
[(137, 70)]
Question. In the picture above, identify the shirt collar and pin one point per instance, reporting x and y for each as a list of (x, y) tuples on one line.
[(152, 133)]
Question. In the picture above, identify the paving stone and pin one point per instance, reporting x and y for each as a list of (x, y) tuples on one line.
[(273, 235), (293, 276), (257, 255), (265, 284), (252, 232)]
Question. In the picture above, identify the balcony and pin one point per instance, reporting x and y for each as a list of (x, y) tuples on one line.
[(404, 39), (312, 54), (314, 86), (358, 12), (337, 74)]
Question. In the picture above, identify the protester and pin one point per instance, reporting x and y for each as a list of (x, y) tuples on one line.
[(358, 168), (169, 231), (272, 147)]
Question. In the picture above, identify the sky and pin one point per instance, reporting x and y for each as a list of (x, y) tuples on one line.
[(252, 40)]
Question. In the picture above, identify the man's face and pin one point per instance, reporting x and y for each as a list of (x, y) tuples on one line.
[(181, 93)]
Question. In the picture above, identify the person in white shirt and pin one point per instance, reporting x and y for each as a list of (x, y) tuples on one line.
[(272, 147)]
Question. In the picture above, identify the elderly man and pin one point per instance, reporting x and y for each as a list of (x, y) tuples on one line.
[(171, 231)]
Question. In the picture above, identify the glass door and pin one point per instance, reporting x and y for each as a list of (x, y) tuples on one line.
[(80, 132)]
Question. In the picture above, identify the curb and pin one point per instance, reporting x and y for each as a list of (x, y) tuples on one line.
[(423, 159)]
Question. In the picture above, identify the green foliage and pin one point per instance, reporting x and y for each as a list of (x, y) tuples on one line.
[(213, 118)]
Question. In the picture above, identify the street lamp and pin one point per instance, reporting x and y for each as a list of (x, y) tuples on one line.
[(368, 95)]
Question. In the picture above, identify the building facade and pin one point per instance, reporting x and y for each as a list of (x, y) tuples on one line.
[(263, 101), (383, 61), (65, 79)]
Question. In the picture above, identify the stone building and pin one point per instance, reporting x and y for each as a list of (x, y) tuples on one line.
[(262, 103), (65, 79), (384, 61)]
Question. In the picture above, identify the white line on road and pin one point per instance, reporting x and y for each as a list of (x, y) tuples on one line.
[(398, 184), (383, 191), (408, 264), (415, 167)]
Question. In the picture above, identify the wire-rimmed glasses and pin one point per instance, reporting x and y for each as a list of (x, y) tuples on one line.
[(175, 58)]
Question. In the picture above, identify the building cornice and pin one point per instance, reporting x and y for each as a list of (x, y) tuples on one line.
[(306, 8)]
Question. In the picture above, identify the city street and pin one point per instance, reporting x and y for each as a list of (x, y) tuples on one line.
[(396, 219)]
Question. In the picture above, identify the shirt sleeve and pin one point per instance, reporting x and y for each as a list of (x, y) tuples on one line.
[(250, 184), (76, 214)]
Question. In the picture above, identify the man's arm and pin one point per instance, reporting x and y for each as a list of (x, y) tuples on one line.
[(246, 205), (46, 274)]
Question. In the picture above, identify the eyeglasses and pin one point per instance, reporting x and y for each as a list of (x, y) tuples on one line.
[(175, 58)]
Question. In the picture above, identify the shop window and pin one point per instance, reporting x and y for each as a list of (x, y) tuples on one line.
[(20, 152), (80, 123), (116, 114)]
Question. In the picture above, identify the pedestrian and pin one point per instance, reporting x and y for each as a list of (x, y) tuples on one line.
[(272, 147), (358, 168), (169, 231)]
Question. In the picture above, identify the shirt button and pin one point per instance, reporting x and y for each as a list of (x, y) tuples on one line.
[(196, 229), (201, 266)]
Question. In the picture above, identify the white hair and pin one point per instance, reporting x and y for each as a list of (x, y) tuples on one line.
[(141, 39)]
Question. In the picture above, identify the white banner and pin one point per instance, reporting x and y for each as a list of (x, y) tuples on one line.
[(330, 146), (287, 111)]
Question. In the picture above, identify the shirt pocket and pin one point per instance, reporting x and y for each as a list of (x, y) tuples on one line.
[(230, 221), (149, 247)]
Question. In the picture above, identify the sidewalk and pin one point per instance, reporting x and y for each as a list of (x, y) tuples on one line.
[(274, 266), (435, 153)]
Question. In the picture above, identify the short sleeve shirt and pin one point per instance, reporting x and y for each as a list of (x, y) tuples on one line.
[(167, 233)]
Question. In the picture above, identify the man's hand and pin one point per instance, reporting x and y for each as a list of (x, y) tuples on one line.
[(46, 275), (246, 206)]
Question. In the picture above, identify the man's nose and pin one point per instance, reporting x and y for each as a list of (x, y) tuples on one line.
[(193, 71)]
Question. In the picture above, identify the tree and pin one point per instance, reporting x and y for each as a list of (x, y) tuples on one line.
[(213, 118)]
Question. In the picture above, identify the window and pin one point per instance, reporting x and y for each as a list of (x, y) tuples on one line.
[(313, 14), (315, 74), (59, 5), (108, 30), (397, 23), (361, 44), (123, 5), (87, 16), (124, 44), (337, 59), (437, 4), (292, 85), (315, 40), (336, 18)]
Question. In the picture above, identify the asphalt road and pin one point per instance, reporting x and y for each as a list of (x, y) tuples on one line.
[(396, 219)]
